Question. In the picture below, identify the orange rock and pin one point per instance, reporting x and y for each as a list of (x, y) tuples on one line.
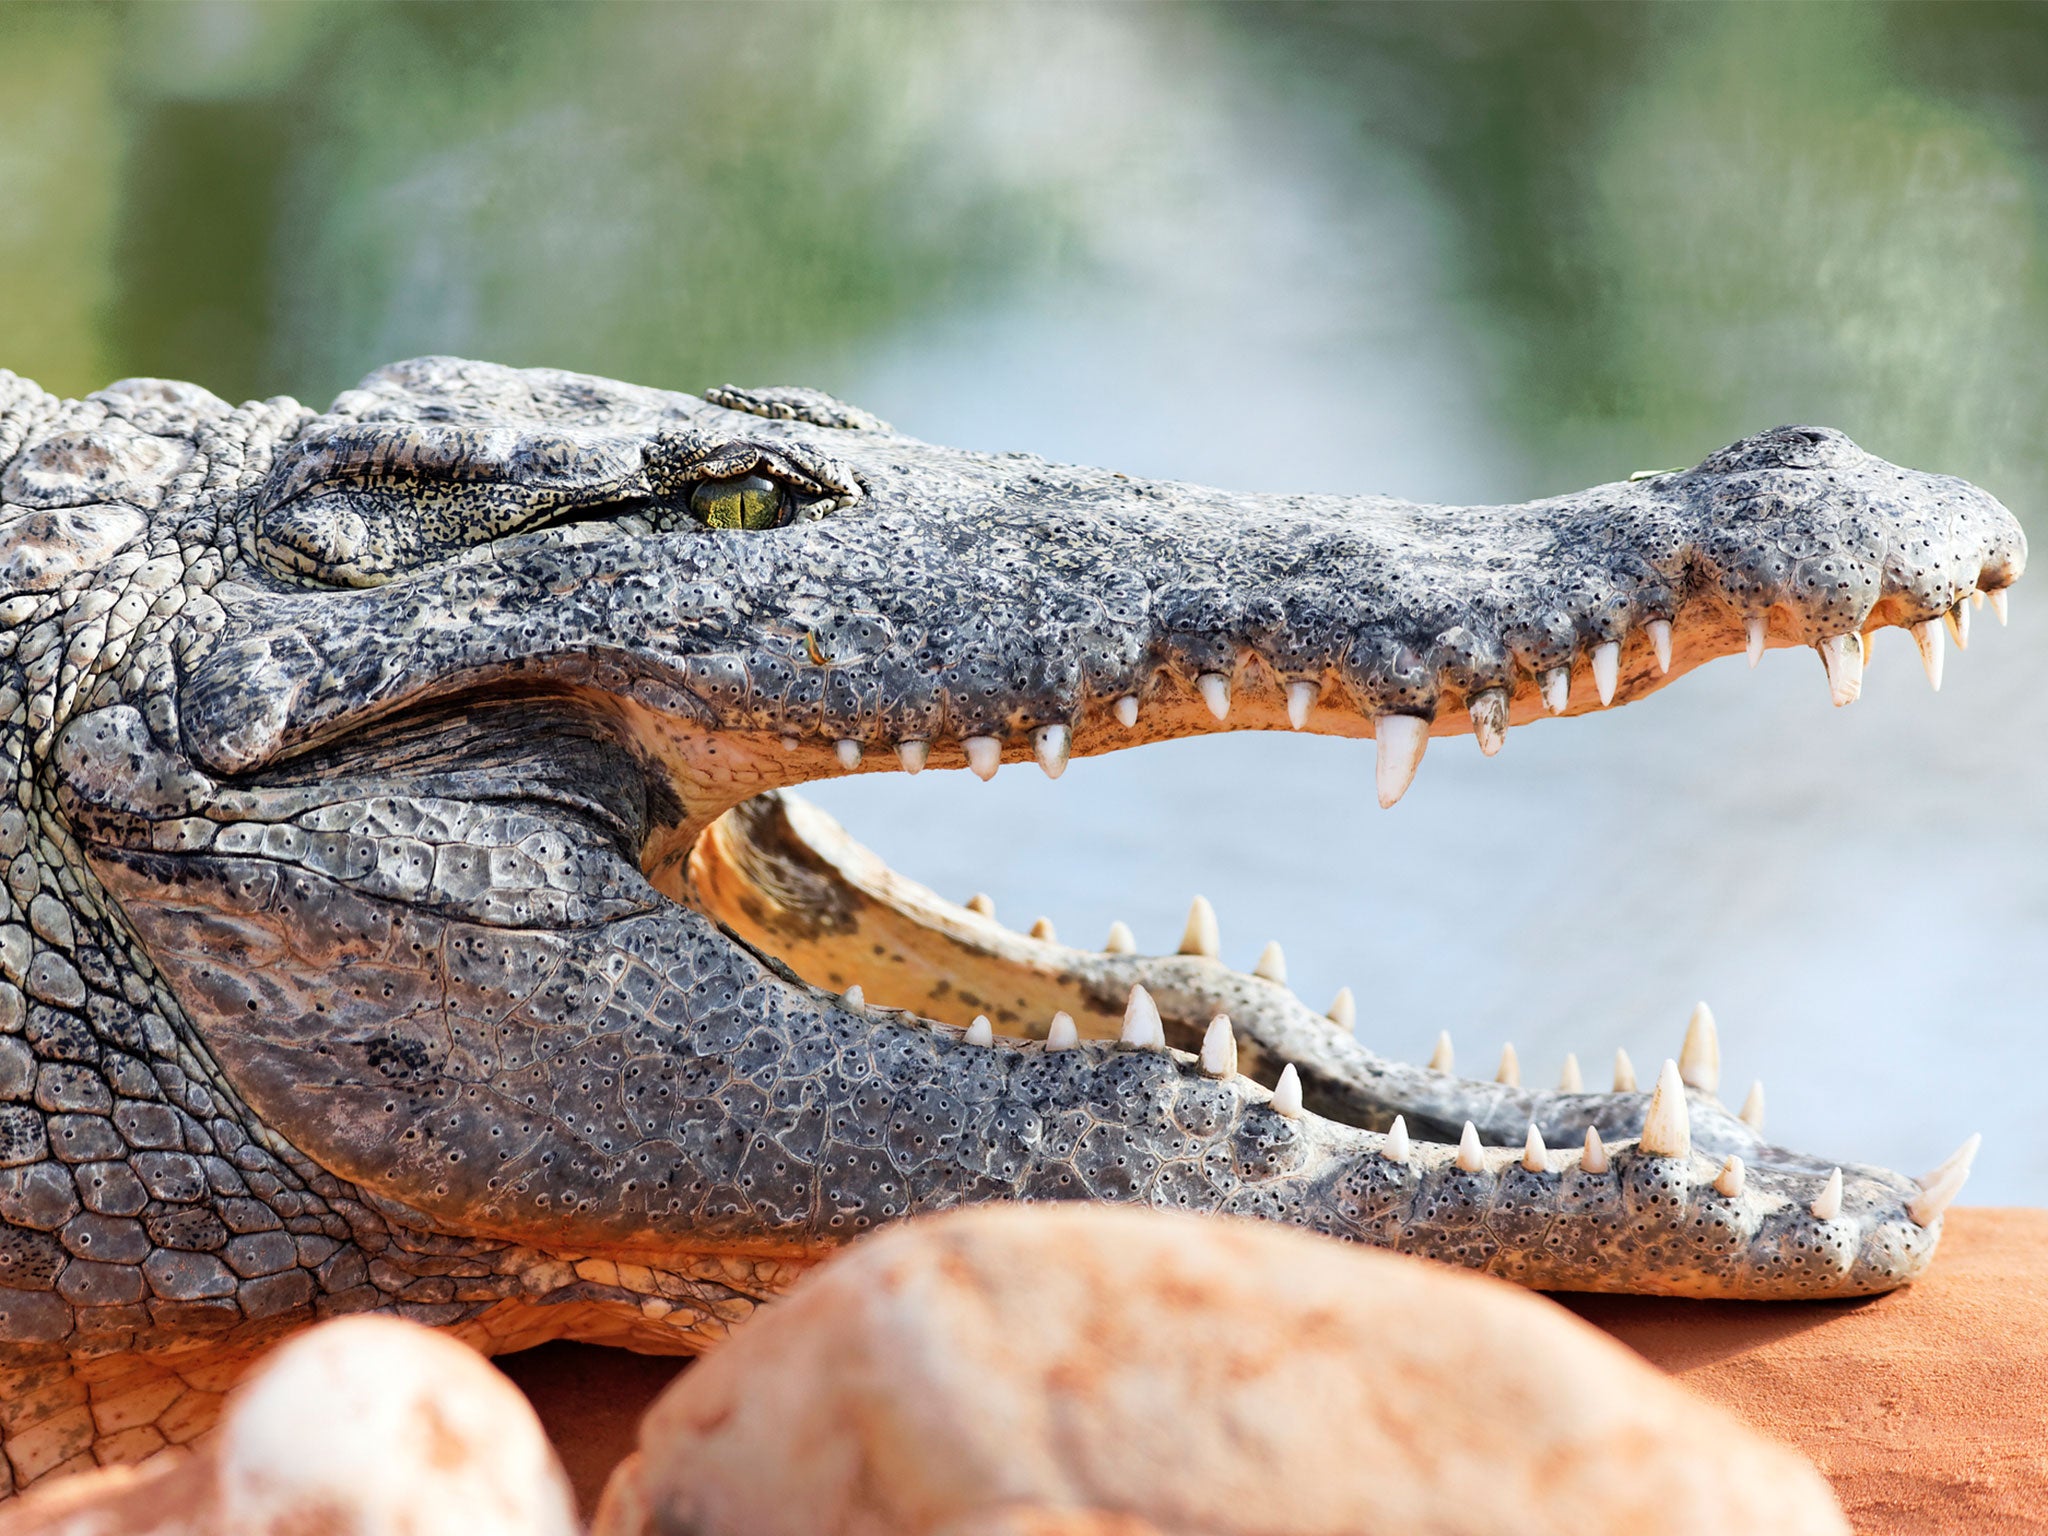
[(1009, 1371)]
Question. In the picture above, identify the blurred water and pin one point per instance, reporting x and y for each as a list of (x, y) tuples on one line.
[(1451, 252)]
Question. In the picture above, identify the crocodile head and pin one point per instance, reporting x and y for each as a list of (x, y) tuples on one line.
[(400, 858)]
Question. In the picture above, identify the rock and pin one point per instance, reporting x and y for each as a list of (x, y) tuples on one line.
[(1021, 1371), (367, 1426)]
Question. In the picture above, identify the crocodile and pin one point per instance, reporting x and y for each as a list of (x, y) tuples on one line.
[(406, 909)]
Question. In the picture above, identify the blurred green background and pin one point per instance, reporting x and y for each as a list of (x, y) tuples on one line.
[(1448, 251)]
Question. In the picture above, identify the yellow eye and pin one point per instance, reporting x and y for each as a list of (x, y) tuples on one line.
[(748, 501)]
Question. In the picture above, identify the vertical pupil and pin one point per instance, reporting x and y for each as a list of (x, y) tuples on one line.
[(747, 501)]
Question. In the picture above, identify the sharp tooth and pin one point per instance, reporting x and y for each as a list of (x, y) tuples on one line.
[(1060, 1034), (1624, 1073), (1301, 698), (1051, 743), (1753, 640), (1977, 600), (854, 997), (1941, 1187), (1489, 711), (1961, 1158), (1343, 1010), (1141, 1021), (1287, 1093), (1401, 740), (1510, 1071), (1752, 1114), (1442, 1058), (1557, 689), (1998, 602), (912, 755), (1827, 1205), (1470, 1157), (1215, 690), (1606, 669), (1272, 964), (847, 750), (1200, 936), (1219, 1048), (1535, 1156), (1842, 655), (980, 1032), (1127, 711), (1120, 940), (984, 756), (1043, 929), (1927, 635), (983, 904), (1959, 624), (1667, 1128), (1660, 642), (1396, 1149), (1729, 1179), (1594, 1158), (1699, 1059), (1570, 1080)]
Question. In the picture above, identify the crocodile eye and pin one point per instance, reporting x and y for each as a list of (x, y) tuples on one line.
[(746, 501)]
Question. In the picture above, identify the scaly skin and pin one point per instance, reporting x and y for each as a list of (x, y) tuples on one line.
[(363, 947)]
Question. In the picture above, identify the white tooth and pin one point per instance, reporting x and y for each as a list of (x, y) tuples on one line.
[(1272, 964), (1827, 1205), (1287, 1093), (1200, 936), (1570, 1080), (1535, 1156), (984, 756), (1753, 640), (1557, 689), (1594, 1158), (1752, 1113), (1729, 1180), (1624, 1073), (1660, 642), (911, 754), (980, 1032), (1958, 619), (1606, 669), (1667, 1127), (1510, 1071), (1127, 711), (1442, 1059), (1842, 655), (1927, 635), (1401, 740), (1998, 602), (983, 904), (1051, 743), (1301, 698), (1343, 1010), (1489, 711), (790, 743), (1215, 690), (847, 751), (1219, 1048), (1977, 600), (1060, 1034), (1141, 1021), (1961, 1158), (1396, 1149), (1120, 940), (1470, 1157), (854, 997), (1043, 929), (1699, 1059)]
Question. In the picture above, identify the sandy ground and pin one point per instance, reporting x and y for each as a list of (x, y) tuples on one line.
[(1928, 1408)]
